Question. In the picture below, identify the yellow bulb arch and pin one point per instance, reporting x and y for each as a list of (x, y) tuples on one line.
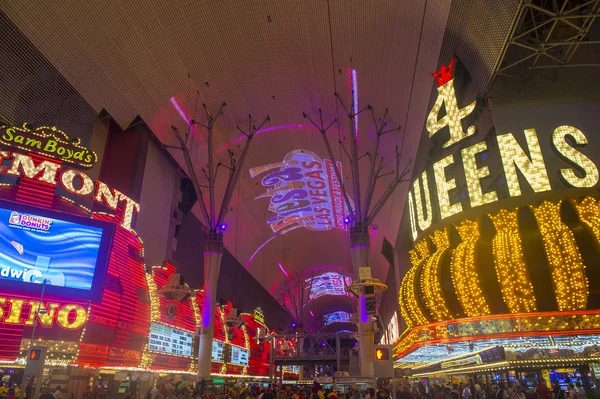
[(422, 297)]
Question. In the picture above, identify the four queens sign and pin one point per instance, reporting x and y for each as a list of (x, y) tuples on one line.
[(304, 192)]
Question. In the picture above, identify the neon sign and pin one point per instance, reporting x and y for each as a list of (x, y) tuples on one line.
[(50, 142), (329, 283), (74, 181), (336, 317), (529, 162), (303, 192), (70, 317)]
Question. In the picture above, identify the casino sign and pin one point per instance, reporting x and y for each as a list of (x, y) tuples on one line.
[(534, 167), (489, 267)]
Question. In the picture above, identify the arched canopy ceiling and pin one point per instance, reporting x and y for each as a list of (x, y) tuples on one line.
[(161, 59)]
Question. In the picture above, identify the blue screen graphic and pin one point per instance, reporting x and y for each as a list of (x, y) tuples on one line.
[(36, 248)]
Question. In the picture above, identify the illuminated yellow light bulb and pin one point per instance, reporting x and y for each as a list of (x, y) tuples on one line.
[(588, 211), (411, 213), (509, 261), (473, 175), (431, 285), (87, 185), (567, 269), (513, 157), (444, 186), (454, 115), (409, 304), (424, 223), (464, 274), (63, 317), (571, 154), (47, 169)]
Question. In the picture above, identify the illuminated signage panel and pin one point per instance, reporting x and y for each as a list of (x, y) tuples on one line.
[(522, 162), (73, 181), (50, 142), (239, 356), (217, 351), (17, 311), (69, 253), (169, 340), (329, 283), (336, 317), (303, 191), (392, 332)]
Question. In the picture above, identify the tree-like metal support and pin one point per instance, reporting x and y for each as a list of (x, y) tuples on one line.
[(214, 222), (362, 214)]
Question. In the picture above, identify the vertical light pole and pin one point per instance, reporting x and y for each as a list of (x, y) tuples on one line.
[(214, 223), (362, 215), (24, 382)]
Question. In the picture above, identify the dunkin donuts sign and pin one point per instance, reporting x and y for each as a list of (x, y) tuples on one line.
[(304, 192)]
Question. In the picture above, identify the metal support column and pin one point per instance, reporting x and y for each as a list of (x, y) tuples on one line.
[(213, 222), (361, 215)]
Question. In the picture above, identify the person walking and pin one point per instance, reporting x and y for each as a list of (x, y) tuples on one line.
[(542, 390)]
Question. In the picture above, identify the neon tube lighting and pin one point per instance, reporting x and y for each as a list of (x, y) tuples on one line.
[(354, 85)]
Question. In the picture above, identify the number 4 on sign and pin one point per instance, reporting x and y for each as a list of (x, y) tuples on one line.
[(454, 114)]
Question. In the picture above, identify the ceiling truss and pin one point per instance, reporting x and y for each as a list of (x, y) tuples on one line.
[(546, 37)]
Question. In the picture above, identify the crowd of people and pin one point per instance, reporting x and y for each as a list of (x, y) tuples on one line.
[(501, 390), (510, 390)]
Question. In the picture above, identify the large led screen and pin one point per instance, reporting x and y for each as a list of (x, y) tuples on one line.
[(69, 253), (217, 351), (336, 317)]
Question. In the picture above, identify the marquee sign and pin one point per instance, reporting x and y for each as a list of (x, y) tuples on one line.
[(50, 142), (72, 180), (304, 192), (528, 161), (13, 311)]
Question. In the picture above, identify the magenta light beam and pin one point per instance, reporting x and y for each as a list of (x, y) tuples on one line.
[(283, 269), (257, 251), (182, 113), (265, 130)]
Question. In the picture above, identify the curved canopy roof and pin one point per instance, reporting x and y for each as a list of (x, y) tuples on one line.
[(162, 59)]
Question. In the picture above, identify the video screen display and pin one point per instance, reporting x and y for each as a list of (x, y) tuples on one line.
[(169, 340), (68, 252), (239, 356), (217, 351)]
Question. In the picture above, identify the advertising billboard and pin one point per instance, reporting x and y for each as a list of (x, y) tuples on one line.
[(169, 340), (239, 356), (217, 351), (69, 253)]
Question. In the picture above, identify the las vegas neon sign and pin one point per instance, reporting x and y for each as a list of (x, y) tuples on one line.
[(514, 158), (72, 180), (304, 192)]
